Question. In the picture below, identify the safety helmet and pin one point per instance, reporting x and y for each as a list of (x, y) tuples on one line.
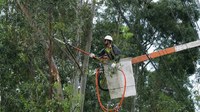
[(108, 37)]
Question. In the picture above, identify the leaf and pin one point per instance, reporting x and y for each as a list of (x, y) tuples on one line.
[(2, 2)]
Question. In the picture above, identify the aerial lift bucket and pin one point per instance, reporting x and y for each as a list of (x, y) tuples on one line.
[(115, 82)]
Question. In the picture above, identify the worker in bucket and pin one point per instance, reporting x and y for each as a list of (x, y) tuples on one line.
[(110, 53)]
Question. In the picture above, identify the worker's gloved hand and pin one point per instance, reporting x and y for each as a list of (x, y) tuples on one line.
[(92, 55), (113, 65)]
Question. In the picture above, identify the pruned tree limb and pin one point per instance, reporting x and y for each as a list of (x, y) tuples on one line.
[(48, 46)]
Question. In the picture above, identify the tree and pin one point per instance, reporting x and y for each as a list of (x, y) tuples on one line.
[(27, 82), (154, 24), (40, 74)]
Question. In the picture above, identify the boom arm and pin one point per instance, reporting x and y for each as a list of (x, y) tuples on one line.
[(166, 51)]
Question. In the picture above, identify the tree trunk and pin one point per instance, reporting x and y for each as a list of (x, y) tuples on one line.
[(54, 74), (76, 76), (135, 73), (88, 37)]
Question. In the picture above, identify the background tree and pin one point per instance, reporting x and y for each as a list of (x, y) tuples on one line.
[(40, 74)]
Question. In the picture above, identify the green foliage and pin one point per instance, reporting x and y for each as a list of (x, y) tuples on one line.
[(2, 2), (59, 26), (24, 70), (175, 20), (166, 104), (64, 105), (25, 82), (126, 33)]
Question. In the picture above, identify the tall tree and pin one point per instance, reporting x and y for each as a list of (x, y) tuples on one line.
[(40, 74), (172, 25)]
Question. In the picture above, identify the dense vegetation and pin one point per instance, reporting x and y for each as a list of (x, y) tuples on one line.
[(38, 74)]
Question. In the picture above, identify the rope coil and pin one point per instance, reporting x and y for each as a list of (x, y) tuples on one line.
[(98, 94)]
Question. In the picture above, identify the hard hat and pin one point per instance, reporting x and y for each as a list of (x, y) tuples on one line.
[(108, 37)]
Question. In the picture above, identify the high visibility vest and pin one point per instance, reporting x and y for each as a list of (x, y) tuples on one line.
[(110, 53)]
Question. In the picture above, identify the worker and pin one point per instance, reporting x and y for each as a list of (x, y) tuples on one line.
[(110, 52)]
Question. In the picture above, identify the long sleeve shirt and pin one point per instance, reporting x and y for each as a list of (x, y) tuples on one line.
[(113, 53)]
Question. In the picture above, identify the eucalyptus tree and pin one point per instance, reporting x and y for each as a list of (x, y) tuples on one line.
[(159, 25), (40, 74), (164, 24), (36, 71)]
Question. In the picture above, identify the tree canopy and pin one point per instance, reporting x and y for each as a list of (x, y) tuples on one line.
[(37, 73)]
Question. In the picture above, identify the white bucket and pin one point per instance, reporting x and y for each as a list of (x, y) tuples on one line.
[(115, 82)]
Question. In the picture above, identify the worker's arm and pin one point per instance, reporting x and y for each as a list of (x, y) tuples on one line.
[(117, 52)]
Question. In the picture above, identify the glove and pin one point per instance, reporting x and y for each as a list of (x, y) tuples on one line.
[(113, 65), (92, 55)]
